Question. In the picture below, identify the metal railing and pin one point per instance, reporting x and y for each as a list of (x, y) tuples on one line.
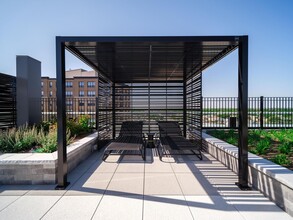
[(263, 112), (75, 107), (217, 112)]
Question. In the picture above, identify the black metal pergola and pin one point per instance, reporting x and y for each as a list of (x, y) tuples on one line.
[(151, 79)]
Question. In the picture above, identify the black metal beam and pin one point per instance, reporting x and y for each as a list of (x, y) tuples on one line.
[(114, 109), (61, 115), (218, 57), (184, 100), (243, 111), (70, 40), (149, 90)]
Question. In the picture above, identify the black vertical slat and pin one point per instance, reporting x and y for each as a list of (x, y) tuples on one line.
[(7, 101), (261, 112)]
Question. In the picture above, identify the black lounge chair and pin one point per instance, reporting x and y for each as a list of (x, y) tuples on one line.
[(130, 139), (172, 141)]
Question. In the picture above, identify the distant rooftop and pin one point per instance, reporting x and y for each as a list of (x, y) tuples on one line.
[(78, 73)]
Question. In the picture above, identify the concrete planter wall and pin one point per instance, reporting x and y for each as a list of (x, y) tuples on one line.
[(41, 168), (274, 181)]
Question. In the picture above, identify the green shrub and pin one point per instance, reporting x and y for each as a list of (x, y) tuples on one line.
[(232, 140), (263, 146), (285, 148), (74, 127), (25, 138), (84, 122), (80, 125), (48, 142), (230, 136), (17, 140), (282, 159), (45, 126)]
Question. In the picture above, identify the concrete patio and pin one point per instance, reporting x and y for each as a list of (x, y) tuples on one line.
[(127, 188)]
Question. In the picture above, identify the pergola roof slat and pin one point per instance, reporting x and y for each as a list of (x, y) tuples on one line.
[(128, 57)]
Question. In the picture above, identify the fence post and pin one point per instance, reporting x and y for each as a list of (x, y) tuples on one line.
[(261, 112)]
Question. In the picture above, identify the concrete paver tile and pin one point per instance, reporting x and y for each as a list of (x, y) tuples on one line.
[(29, 207), (157, 166), (90, 184), (119, 207), (166, 207), (103, 167), (195, 184), (257, 208), (126, 183), (7, 200), (212, 207), (161, 184), (74, 207)]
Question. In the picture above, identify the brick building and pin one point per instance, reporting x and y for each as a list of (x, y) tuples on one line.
[(79, 84), (81, 93)]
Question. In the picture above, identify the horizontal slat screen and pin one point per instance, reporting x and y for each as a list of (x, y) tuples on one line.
[(7, 101), (104, 109), (194, 107), (148, 103)]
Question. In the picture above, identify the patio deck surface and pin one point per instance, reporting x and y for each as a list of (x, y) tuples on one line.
[(129, 188)]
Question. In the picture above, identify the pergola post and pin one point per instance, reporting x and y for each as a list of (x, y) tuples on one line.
[(242, 112), (184, 100), (114, 109), (61, 115)]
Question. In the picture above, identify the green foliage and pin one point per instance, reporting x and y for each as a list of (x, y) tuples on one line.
[(285, 148), (42, 138), (84, 122), (262, 147), (224, 115), (80, 125), (260, 142), (48, 142), (16, 140), (45, 126), (282, 159), (228, 136), (254, 136)]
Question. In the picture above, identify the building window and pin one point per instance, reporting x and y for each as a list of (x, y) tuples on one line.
[(81, 93), (42, 84), (81, 106), (50, 84), (91, 103), (80, 84), (69, 102), (51, 93), (91, 93), (68, 84), (42, 93), (81, 103), (91, 84), (68, 93)]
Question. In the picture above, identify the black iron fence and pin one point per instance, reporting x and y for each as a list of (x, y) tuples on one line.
[(7, 101), (75, 107), (217, 112), (263, 112)]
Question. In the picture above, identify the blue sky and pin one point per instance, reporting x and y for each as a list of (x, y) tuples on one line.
[(29, 28)]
